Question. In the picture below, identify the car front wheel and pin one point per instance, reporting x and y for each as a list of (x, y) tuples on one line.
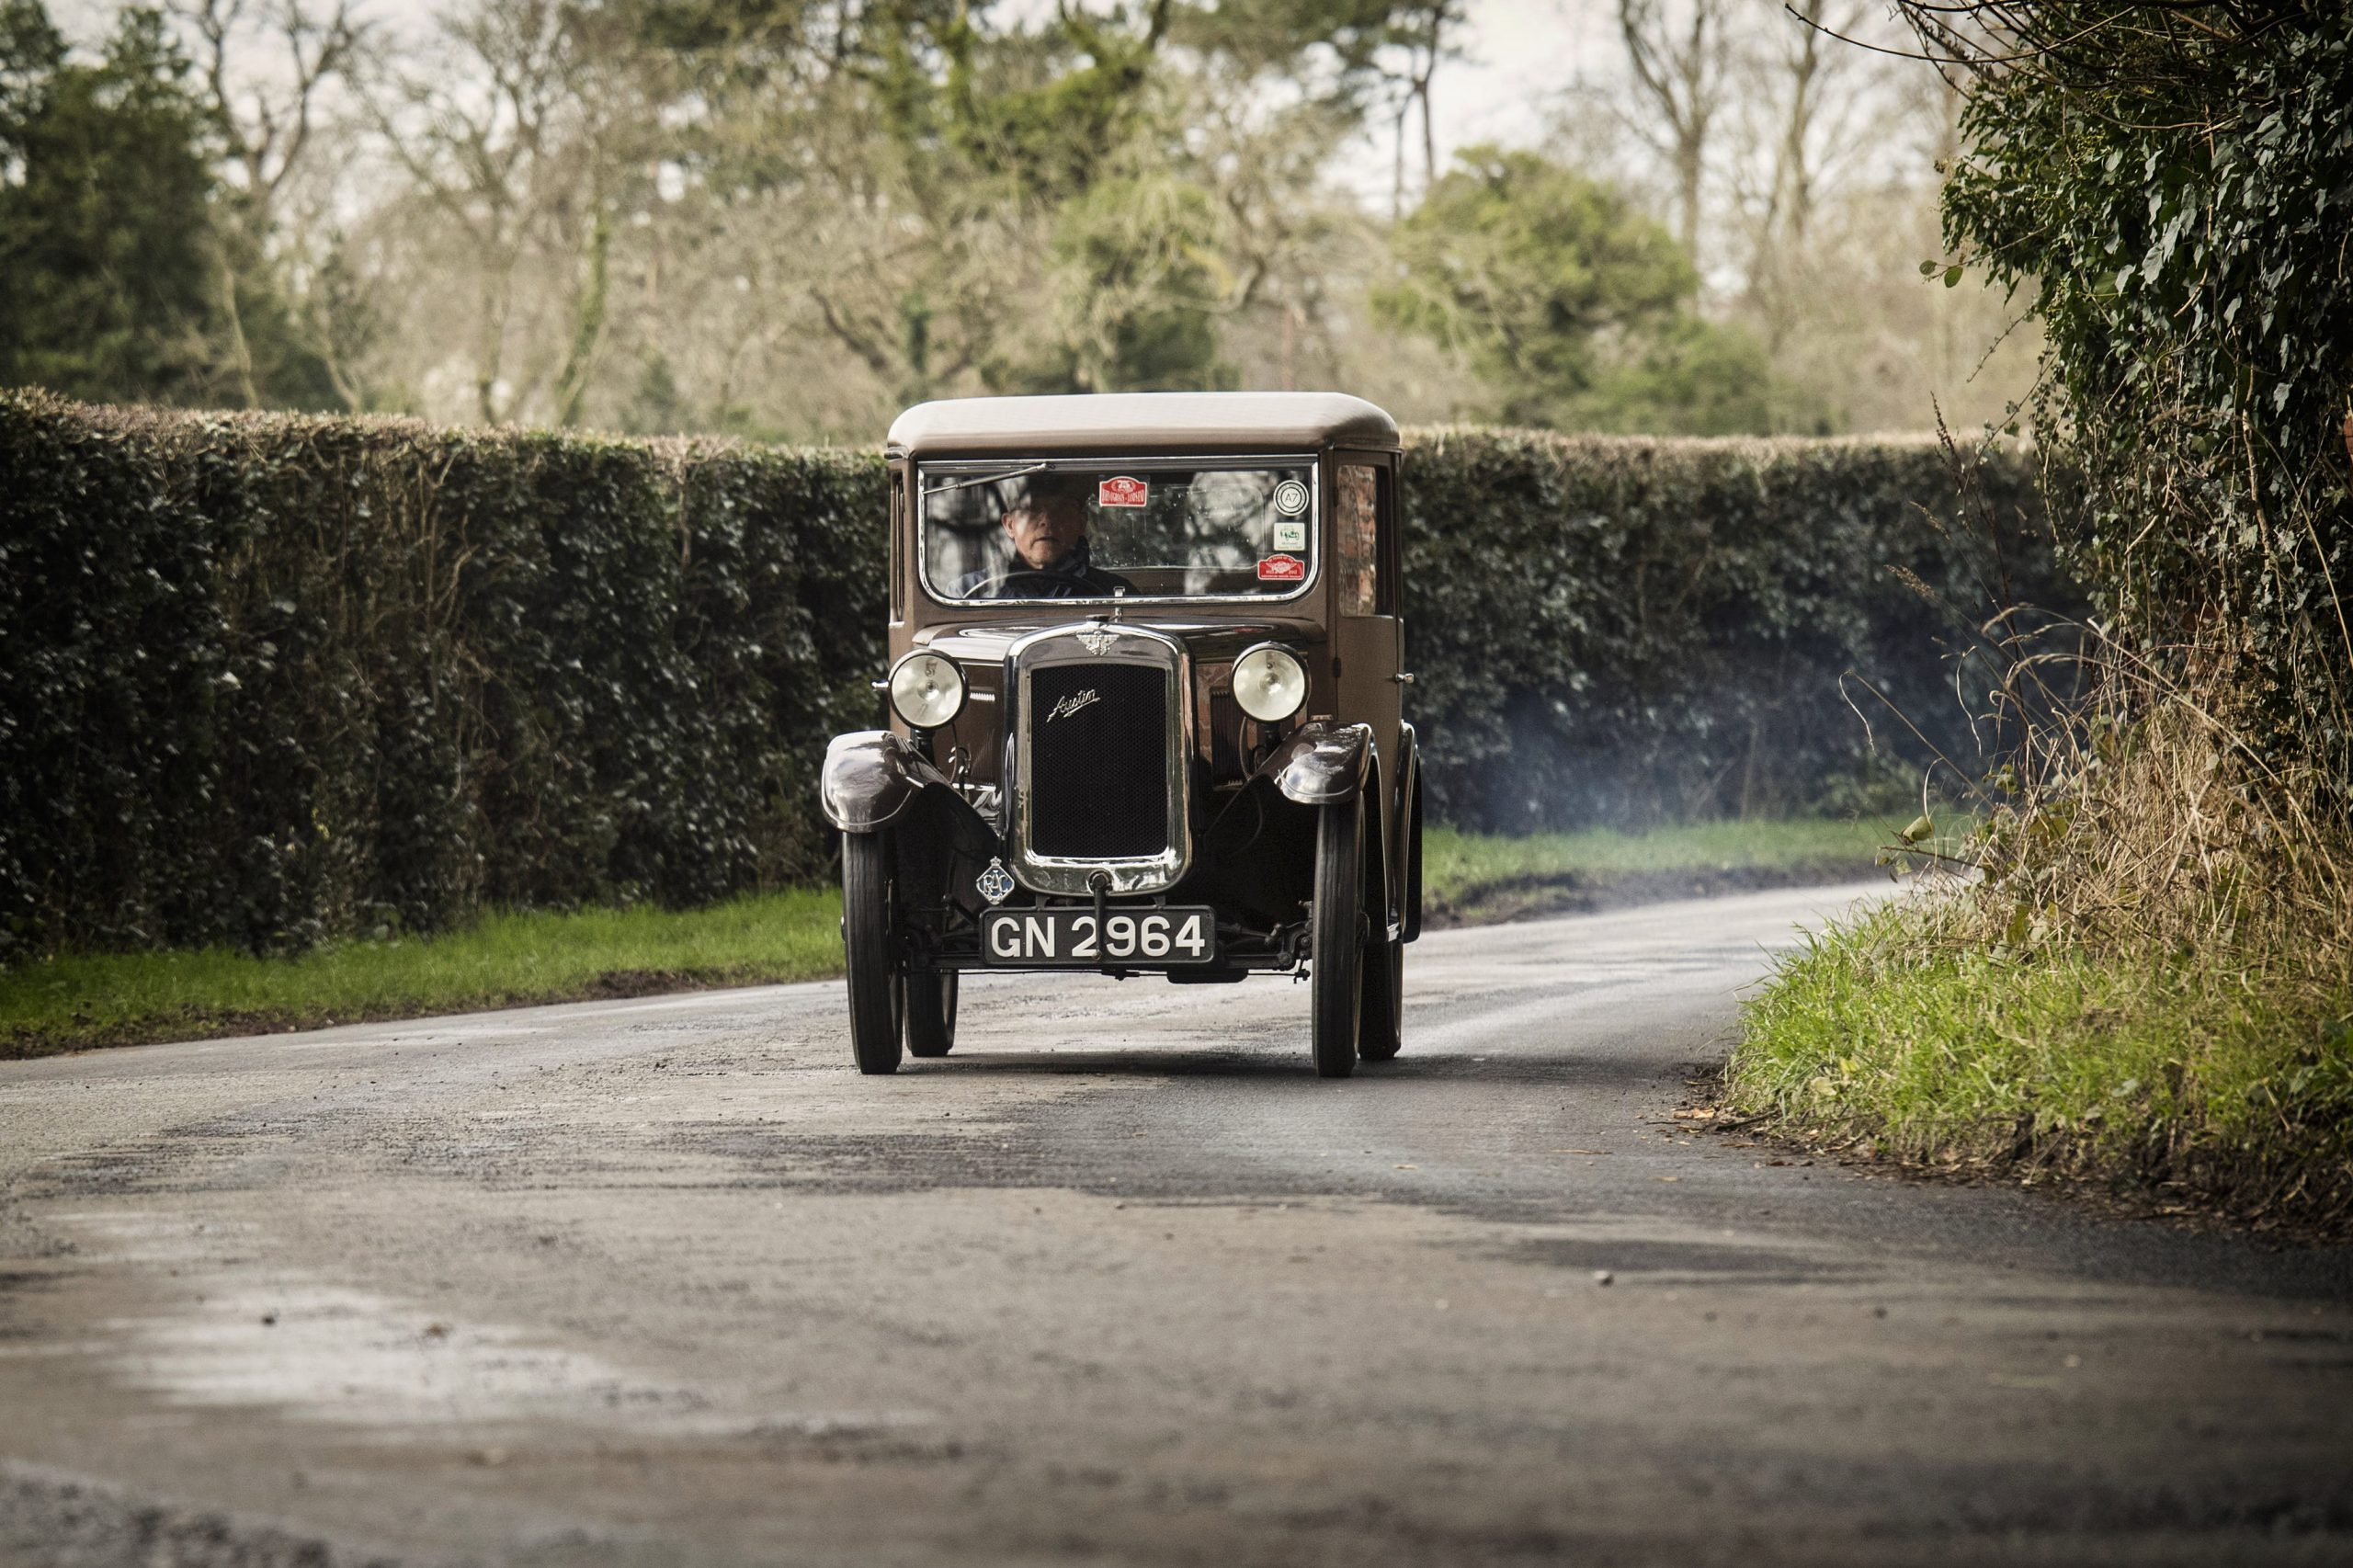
[(1335, 956), (875, 994)]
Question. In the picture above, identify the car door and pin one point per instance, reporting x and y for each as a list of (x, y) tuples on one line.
[(1367, 636)]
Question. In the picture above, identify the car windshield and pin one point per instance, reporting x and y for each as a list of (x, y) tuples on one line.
[(1092, 531)]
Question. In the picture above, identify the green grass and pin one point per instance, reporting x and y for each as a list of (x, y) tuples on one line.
[(1471, 877), (66, 1003), (109, 999), (2183, 1078)]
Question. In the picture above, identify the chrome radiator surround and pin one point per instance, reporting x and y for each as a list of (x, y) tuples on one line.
[(1096, 642)]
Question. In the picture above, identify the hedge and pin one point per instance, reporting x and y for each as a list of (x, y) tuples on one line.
[(1621, 630), (267, 680)]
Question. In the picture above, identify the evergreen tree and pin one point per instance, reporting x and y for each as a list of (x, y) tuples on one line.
[(1571, 303), (106, 238)]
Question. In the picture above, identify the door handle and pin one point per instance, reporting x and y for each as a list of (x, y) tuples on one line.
[(1402, 677)]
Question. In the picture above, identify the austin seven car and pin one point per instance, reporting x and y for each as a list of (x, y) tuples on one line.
[(1145, 707)]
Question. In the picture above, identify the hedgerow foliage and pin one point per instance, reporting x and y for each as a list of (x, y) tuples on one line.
[(265, 679), (2174, 185), (269, 679), (1622, 630), (2147, 979)]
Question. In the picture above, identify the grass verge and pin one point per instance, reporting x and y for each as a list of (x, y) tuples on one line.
[(1479, 879), (2165, 1076), (76, 1002)]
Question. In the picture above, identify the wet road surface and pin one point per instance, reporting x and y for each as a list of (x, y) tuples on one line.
[(664, 1282)]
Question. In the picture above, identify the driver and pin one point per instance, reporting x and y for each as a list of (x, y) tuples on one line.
[(1047, 527)]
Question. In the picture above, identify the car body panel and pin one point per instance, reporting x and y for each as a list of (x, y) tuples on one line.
[(1322, 764), (869, 778)]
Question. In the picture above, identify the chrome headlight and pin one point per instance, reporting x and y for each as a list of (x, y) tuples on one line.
[(927, 689), (1269, 683)]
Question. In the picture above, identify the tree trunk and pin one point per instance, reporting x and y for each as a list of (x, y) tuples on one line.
[(588, 316)]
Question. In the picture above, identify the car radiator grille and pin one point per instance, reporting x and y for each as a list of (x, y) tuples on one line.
[(1099, 761)]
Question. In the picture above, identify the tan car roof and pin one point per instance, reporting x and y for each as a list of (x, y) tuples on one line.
[(1138, 421)]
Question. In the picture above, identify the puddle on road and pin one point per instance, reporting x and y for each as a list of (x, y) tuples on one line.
[(337, 1354), (231, 1332)]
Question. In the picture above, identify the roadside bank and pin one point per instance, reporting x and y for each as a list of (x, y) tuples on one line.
[(2159, 1080)]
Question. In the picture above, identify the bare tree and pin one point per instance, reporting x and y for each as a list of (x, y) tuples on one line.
[(518, 136), (1679, 70), (1814, 111), (1420, 29), (267, 67), (271, 109)]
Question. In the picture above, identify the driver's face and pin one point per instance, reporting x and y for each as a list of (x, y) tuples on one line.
[(1044, 532)]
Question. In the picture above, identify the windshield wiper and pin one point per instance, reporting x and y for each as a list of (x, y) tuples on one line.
[(986, 479)]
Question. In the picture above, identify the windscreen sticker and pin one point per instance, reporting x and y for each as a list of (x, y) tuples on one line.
[(1290, 497), (1122, 492), (1290, 536), (1282, 569)]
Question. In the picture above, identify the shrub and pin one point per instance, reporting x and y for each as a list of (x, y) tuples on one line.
[(1622, 630), (2173, 185), (264, 679)]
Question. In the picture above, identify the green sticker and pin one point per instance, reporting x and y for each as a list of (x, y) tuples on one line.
[(1290, 536)]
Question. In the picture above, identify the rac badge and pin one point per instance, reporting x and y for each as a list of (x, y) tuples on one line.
[(995, 884)]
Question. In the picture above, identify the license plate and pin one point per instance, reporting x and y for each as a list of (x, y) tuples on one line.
[(1074, 939)]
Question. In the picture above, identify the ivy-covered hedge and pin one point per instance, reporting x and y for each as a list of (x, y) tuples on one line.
[(1620, 630), (265, 679), (269, 679)]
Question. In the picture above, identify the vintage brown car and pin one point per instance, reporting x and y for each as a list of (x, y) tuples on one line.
[(1145, 707)]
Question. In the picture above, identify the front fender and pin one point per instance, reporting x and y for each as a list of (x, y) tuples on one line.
[(1322, 764), (869, 778)]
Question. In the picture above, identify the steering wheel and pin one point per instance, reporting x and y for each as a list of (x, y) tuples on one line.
[(995, 587)]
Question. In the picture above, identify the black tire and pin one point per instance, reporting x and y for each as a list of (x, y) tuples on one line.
[(931, 1012), (1381, 1034), (1335, 956), (1409, 911), (876, 995)]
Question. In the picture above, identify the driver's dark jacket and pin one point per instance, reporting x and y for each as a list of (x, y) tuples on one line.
[(1072, 577)]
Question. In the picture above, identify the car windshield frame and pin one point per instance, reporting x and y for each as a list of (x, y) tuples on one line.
[(962, 472)]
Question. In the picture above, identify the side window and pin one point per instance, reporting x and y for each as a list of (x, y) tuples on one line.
[(1355, 533)]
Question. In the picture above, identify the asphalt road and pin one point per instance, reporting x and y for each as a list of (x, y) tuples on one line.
[(663, 1282)]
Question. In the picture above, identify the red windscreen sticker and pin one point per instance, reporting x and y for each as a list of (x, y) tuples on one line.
[(1282, 569), (1122, 492)]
